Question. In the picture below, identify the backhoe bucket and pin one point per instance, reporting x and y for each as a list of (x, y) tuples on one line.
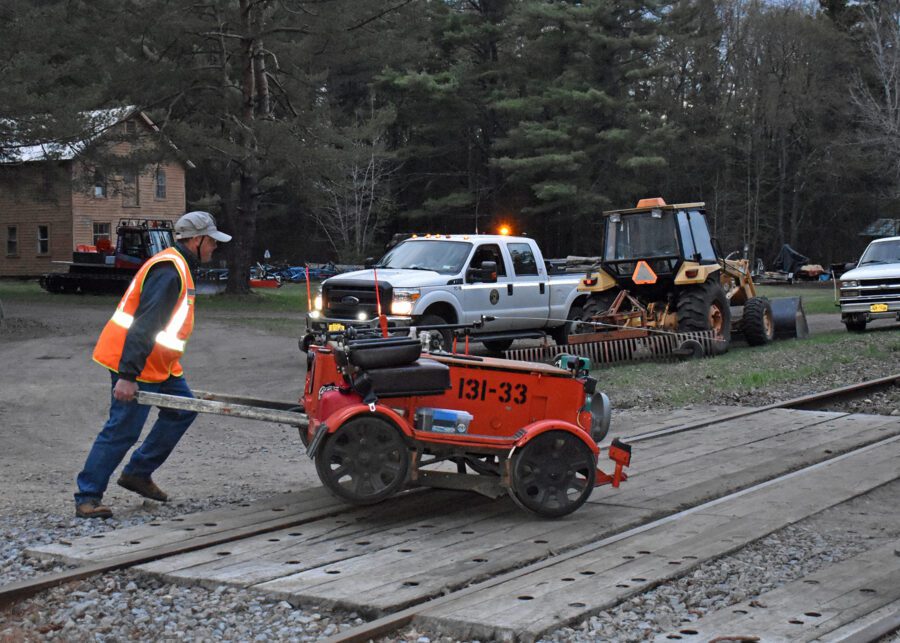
[(789, 318)]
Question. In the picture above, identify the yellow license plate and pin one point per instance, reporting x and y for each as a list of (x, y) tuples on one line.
[(334, 328), (878, 308)]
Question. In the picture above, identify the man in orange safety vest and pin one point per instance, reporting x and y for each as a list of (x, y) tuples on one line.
[(141, 345)]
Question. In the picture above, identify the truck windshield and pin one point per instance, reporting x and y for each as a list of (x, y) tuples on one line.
[(637, 236), (159, 240), (445, 257), (881, 252)]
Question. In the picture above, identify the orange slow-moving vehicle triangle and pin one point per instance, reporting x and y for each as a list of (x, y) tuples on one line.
[(643, 274)]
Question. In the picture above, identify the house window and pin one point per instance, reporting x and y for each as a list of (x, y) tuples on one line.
[(99, 185), (12, 241), (43, 240), (160, 184), (130, 127), (130, 195), (101, 231)]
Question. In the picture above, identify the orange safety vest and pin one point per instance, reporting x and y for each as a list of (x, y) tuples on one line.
[(170, 341)]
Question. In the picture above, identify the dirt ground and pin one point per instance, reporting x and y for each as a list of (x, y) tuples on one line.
[(54, 400)]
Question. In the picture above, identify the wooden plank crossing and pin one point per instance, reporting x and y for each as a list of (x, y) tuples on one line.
[(532, 603), (416, 547), (809, 608)]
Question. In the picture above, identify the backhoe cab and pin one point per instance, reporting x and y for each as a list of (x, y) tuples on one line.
[(660, 271)]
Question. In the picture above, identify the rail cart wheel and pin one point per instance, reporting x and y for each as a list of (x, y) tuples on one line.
[(364, 461), (553, 474)]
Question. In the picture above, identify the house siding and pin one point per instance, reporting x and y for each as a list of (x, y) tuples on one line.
[(32, 195), (60, 194), (88, 209)]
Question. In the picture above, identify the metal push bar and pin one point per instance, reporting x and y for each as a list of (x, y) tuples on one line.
[(231, 405)]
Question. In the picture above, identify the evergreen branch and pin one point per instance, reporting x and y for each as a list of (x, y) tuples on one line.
[(379, 15)]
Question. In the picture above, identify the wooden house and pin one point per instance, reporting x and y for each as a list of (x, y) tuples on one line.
[(53, 199)]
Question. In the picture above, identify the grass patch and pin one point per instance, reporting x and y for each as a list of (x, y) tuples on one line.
[(31, 291), (816, 299), (288, 298), (744, 371)]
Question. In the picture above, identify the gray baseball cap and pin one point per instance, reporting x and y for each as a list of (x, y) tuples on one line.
[(198, 224)]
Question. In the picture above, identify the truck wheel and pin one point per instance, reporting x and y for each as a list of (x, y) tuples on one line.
[(759, 327), (705, 307), (364, 461), (560, 334), (855, 324), (498, 345), (440, 339), (552, 474)]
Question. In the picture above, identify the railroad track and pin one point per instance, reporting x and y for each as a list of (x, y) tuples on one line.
[(318, 510)]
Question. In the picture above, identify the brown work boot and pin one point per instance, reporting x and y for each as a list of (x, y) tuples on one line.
[(143, 487), (93, 509)]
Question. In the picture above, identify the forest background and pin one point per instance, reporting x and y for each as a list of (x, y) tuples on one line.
[(318, 128)]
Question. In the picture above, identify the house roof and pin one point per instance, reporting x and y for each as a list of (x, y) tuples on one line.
[(97, 122), (882, 228)]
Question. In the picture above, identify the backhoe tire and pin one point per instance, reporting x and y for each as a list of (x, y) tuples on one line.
[(705, 307), (758, 323), (498, 345), (560, 334), (441, 339), (596, 304)]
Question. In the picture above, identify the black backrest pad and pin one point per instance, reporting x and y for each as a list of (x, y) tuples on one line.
[(422, 377)]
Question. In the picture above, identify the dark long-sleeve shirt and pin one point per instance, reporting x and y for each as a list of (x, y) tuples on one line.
[(158, 299)]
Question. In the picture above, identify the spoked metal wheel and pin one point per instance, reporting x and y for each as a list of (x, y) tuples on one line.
[(553, 474), (364, 461)]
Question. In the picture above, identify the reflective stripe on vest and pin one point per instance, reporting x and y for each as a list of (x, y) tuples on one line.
[(167, 337)]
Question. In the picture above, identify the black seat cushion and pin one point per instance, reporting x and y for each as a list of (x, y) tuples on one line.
[(383, 353), (422, 377)]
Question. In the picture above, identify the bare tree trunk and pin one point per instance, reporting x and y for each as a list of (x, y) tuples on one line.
[(782, 186), (255, 102)]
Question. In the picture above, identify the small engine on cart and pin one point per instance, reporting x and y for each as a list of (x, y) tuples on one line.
[(384, 415)]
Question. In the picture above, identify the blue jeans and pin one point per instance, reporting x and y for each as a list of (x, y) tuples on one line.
[(121, 432)]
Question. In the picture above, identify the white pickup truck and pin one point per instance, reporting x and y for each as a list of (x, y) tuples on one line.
[(455, 279), (872, 289)]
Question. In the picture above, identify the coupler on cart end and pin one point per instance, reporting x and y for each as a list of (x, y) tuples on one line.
[(620, 453)]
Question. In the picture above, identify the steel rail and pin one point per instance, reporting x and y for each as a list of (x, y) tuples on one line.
[(13, 592), (802, 402), (20, 590)]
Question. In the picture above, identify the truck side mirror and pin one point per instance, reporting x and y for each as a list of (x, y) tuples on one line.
[(489, 272), (369, 262)]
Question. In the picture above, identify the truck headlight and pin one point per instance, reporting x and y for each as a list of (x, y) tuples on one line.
[(404, 300), (850, 284), (317, 302)]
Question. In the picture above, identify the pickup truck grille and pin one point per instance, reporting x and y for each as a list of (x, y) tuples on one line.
[(346, 299), (887, 289)]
